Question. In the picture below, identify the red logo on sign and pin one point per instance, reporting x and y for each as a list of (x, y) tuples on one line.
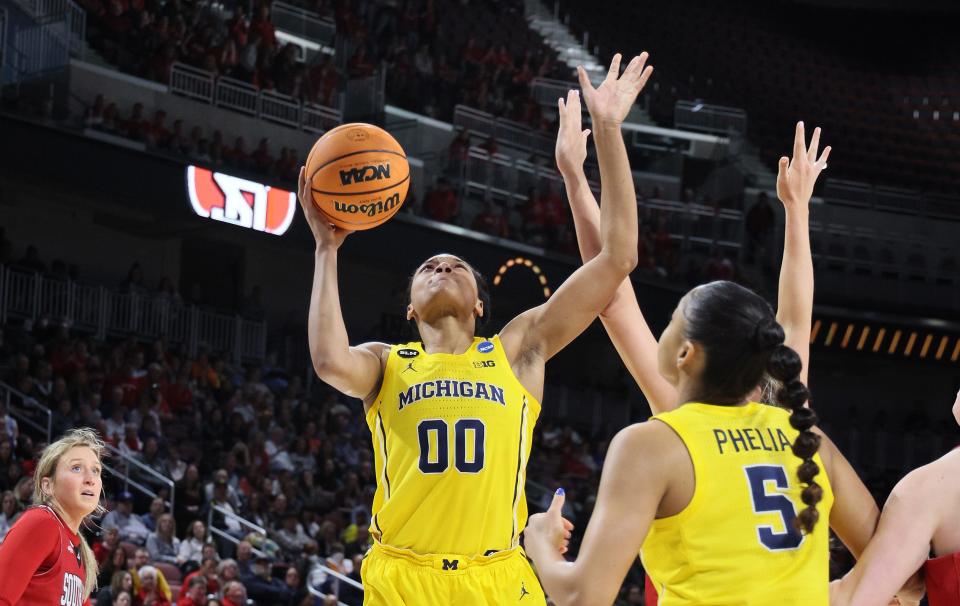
[(241, 202)]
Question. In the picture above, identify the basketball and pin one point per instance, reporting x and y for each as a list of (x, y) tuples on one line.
[(358, 175)]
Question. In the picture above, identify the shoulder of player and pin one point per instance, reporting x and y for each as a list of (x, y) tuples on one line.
[(929, 484), (39, 526), (653, 445)]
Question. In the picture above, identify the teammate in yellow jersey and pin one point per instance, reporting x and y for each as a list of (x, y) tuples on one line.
[(452, 417), (704, 563)]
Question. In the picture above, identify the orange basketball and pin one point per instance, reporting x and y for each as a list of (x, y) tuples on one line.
[(359, 175)]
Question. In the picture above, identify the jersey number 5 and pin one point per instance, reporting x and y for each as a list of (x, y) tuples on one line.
[(441, 460), (757, 477)]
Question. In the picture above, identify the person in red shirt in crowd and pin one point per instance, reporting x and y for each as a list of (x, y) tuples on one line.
[(43, 559), (137, 126), (491, 221), (207, 572), (237, 26), (179, 395), (234, 594), (262, 25), (103, 549), (459, 147), (441, 203), (194, 592), (490, 145)]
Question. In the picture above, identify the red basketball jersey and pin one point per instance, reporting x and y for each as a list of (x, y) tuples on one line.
[(41, 563), (942, 576)]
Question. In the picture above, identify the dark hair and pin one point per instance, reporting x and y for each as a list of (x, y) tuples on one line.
[(483, 293), (743, 341)]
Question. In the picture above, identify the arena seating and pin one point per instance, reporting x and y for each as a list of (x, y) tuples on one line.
[(893, 115)]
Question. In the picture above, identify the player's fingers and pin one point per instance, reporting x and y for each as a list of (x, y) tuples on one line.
[(782, 168), (814, 145), (585, 85), (586, 135), (647, 72), (561, 106), (799, 143), (573, 102), (556, 506), (633, 68), (822, 162), (614, 72), (569, 525)]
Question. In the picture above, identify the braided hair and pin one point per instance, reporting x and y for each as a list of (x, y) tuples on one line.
[(743, 343)]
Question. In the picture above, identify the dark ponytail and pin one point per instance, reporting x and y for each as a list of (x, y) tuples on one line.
[(785, 366), (744, 344)]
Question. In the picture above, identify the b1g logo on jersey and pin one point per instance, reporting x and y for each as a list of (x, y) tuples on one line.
[(240, 202), (485, 346), (408, 353), (72, 590)]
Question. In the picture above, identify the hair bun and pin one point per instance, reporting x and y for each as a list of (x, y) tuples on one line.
[(767, 336)]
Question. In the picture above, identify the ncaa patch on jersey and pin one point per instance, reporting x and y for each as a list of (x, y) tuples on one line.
[(408, 353), (485, 346)]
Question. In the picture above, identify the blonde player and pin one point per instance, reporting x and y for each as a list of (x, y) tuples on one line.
[(452, 416), (43, 559)]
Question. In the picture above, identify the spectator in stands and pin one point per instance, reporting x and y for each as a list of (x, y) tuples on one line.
[(291, 537), (441, 202), (206, 571), (120, 581), (173, 467), (149, 589), (115, 427), (262, 587), (131, 444), (103, 549), (234, 594), (9, 430), (491, 221), (190, 499), (9, 512), (193, 593), (292, 579), (262, 25), (457, 152), (116, 561), (141, 559), (124, 598), (133, 283), (131, 527), (244, 559), (191, 547), (162, 544), (136, 126), (150, 518), (227, 571)]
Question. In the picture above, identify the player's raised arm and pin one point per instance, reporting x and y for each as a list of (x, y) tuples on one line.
[(795, 180), (355, 371), (549, 327), (622, 318)]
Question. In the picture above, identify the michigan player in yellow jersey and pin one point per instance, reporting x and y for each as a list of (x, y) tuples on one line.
[(451, 416), (723, 497)]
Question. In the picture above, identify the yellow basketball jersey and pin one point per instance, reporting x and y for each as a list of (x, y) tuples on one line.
[(451, 437), (735, 543)]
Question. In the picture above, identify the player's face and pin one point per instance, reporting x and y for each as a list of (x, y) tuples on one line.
[(441, 283), (77, 482)]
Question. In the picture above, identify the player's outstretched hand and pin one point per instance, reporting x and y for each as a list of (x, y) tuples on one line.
[(326, 234), (550, 528), (571, 138), (797, 176), (610, 102)]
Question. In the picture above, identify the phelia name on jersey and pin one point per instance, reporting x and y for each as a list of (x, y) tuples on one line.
[(749, 438), (451, 388)]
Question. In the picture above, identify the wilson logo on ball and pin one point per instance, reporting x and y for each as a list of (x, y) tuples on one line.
[(239, 201), (371, 209), (365, 173)]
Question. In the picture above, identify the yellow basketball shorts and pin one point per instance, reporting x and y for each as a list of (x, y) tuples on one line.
[(398, 577)]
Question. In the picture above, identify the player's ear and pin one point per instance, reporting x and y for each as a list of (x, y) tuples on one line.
[(410, 312), (46, 487), (478, 309), (687, 355)]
